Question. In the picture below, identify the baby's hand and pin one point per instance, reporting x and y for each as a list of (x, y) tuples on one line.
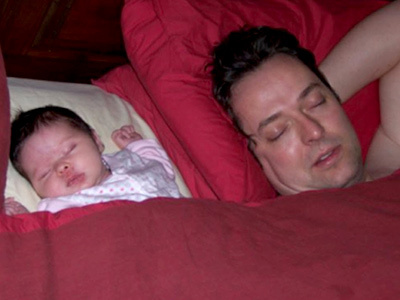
[(12, 207), (125, 135)]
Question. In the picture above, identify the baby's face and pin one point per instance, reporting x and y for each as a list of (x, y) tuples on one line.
[(60, 160)]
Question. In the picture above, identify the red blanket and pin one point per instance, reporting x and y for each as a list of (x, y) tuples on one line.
[(340, 244)]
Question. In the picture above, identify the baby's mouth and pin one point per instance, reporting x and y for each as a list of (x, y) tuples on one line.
[(75, 179)]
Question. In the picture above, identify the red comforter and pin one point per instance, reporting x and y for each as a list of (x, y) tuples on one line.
[(340, 244)]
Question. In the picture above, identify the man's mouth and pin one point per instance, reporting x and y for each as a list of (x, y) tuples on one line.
[(328, 158)]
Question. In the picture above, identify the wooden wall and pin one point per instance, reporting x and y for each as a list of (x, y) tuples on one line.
[(61, 40)]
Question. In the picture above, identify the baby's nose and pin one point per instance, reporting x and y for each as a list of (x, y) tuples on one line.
[(64, 168)]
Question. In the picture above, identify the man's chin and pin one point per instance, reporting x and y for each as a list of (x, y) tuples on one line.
[(352, 179)]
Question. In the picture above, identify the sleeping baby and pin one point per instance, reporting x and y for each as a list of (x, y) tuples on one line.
[(61, 156)]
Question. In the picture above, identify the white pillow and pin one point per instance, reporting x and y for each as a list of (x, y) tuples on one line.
[(103, 111)]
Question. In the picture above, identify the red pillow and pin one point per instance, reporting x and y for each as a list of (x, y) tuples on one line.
[(124, 82), (168, 44)]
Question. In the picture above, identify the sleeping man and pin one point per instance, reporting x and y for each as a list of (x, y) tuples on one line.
[(292, 116)]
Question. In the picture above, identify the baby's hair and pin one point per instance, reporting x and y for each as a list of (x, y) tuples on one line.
[(28, 122)]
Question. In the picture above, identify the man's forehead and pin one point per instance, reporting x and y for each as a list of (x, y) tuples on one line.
[(275, 75)]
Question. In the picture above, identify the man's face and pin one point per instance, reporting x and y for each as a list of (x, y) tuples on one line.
[(60, 160), (296, 128)]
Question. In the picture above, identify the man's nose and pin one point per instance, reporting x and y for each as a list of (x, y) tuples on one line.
[(311, 129)]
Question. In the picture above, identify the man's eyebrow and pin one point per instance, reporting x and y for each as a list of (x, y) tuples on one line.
[(302, 95), (308, 90), (267, 121)]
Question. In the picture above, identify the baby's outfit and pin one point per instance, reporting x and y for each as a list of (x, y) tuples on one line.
[(140, 171)]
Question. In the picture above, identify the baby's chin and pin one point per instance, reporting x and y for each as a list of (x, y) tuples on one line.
[(105, 175), (62, 192), (57, 194)]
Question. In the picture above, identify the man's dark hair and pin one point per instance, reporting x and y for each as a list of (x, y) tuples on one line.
[(27, 123), (245, 50)]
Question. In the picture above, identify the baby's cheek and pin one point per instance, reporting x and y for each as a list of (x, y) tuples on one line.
[(48, 188)]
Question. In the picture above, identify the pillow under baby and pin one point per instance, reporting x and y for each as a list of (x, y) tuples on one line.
[(105, 112)]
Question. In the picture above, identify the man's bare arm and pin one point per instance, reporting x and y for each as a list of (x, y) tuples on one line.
[(371, 50), (368, 52)]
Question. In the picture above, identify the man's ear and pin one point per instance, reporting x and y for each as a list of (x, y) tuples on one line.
[(98, 141)]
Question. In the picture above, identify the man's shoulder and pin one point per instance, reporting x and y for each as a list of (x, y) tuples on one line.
[(383, 156)]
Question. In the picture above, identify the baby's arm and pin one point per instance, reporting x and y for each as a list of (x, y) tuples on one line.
[(12, 207), (125, 135), (150, 149)]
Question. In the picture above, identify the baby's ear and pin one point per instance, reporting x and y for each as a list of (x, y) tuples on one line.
[(98, 141)]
